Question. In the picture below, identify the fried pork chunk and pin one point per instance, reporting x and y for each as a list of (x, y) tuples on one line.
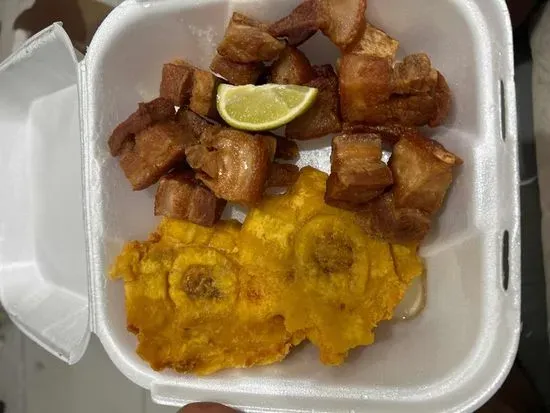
[(185, 85), (410, 110), (177, 82), (237, 73), (270, 142), (282, 175), (247, 41), (155, 151), (193, 122), (302, 23), (292, 68), (414, 75), (443, 100), (324, 116), (202, 159), (203, 94), (364, 88), (181, 196), (286, 149), (374, 93), (383, 220), (157, 110), (390, 134), (358, 174), (343, 20), (340, 20), (373, 41), (233, 164), (423, 172)]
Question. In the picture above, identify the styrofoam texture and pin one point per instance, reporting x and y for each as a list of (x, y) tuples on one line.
[(457, 352), (43, 271)]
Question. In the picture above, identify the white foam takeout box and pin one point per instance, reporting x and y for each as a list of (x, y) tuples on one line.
[(66, 208)]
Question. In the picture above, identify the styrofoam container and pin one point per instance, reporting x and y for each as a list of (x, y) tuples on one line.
[(66, 208)]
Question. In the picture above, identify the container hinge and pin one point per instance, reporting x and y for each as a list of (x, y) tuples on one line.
[(84, 143)]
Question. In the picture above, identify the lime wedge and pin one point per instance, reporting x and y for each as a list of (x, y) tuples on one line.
[(265, 107)]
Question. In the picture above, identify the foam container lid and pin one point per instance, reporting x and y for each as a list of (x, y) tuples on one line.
[(66, 208)]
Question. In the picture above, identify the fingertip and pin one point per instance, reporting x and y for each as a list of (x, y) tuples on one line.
[(206, 407)]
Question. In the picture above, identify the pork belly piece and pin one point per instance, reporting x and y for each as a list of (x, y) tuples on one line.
[(324, 115), (181, 196), (237, 73), (443, 101), (270, 142), (411, 110), (358, 174), (177, 81), (292, 68), (368, 93), (185, 85), (324, 71), (383, 220), (195, 123), (243, 19), (282, 175), (391, 134), (340, 20), (204, 158), (203, 94), (201, 158), (155, 152), (414, 75), (365, 87), (336, 191), (286, 150), (407, 111), (374, 42), (233, 164), (423, 171), (343, 20), (302, 23), (157, 110), (247, 40)]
